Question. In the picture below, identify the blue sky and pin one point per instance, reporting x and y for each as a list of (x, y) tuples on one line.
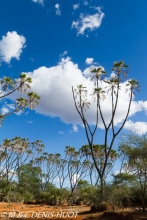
[(55, 42)]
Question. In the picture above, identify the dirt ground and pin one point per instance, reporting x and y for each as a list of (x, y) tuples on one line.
[(23, 211)]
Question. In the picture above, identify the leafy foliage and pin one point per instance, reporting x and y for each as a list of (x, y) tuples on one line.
[(9, 86)]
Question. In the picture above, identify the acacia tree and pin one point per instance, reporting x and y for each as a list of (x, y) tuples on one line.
[(29, 183), (134, 147), (112, 86), (22, 84)]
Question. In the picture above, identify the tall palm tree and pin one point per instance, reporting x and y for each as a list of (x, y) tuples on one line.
[(119, 70)]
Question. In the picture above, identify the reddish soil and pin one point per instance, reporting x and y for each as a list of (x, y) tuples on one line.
[(23, 211)]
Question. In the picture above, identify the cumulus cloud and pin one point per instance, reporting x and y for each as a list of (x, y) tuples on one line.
[(58, 11), (137, 127), (11, 46), (57, 82), (90, 22), (54, 86), (76, 6), (89, 61), (39, 1)]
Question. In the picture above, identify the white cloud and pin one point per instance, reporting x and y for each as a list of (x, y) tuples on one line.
[(143, 105), (19, 113), (4, 110), (61, 132), (39, 1), (90, 22), (89, 61), (54, 86), (76, 6), (58, 11), (137, 127), (7, 108), (75, 128), (11, 46)]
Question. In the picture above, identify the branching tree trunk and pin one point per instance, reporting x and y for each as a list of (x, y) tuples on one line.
[(112, 85)]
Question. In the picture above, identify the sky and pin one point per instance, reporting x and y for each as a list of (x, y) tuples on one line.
[(55, 42)]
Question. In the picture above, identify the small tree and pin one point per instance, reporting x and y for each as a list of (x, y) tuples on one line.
[(29, 182), (115, 194), (134, 147), (112, 85)]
